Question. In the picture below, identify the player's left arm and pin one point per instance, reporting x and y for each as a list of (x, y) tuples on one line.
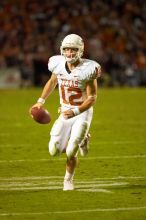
[(91, 90)]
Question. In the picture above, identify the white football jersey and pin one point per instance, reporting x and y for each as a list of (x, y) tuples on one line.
[(72, 86)]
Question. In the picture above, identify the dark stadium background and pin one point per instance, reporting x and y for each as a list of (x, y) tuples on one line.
[(114, 33)]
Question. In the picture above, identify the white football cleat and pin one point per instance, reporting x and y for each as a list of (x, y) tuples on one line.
[(68, 185), (84, 146)]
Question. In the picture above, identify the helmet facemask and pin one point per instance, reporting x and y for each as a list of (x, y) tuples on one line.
[(71, 57)]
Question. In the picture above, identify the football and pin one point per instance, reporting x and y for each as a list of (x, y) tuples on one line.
[(40, 115)]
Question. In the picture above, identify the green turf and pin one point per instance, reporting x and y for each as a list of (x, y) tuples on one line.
[(110, 182)]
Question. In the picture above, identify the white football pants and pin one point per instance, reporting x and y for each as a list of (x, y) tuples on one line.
[(67, 134)]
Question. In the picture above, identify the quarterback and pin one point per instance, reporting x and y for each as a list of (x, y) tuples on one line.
[(77, 82)]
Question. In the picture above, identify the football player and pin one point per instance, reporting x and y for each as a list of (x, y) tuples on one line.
[(77, 81)]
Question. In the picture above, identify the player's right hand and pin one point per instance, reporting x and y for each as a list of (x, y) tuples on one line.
[(38, 105)]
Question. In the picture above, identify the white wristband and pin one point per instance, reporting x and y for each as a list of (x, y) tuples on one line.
[(41, 100), (76, 111)]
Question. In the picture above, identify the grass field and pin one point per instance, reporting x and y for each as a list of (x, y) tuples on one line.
[(110, 182)]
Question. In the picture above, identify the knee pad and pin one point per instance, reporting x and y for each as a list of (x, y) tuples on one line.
[(53, 149)]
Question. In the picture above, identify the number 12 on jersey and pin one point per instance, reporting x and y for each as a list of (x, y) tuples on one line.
[(71, 95)]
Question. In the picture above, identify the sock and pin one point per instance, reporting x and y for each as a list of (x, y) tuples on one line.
[(68, 176)]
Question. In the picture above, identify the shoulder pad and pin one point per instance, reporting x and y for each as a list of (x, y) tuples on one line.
[(91, 69), (54, 62)]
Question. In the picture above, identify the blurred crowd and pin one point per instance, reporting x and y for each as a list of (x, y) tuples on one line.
[(114, 32)]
